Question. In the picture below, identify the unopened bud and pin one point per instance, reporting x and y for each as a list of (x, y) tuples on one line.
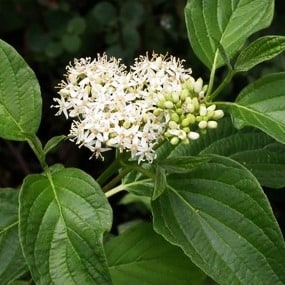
[(184, 94), (196, 103), (212, 124), (203, 110), (174, 141), (218, 114), (172, 125), (203, 125), (193, 135), (175, 97), (168, 105), (174, 117), (198, 85), (185, 141)]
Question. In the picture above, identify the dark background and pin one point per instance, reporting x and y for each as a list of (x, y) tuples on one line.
[(50, 33)]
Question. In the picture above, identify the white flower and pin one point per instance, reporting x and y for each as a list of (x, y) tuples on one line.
[(133, 110)]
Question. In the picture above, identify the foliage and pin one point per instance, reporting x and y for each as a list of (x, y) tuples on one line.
[(210, 216)]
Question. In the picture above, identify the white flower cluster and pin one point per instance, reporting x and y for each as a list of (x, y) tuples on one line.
[(133, 110)]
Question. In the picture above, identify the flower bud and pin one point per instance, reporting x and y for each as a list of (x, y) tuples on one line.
[(198, 85), (193, 135), (212, 124), (202, 125), (168, 105), (172, 125), (174, 141), (174, 117), (218, 114), (203, 110), (175, 97), (185, 141), (211, 108), (184, 94)]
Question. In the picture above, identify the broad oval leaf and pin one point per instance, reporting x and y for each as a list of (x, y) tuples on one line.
[(140, 256), (261, 105), (262, 49), (62, 220), (255, 150), (20, 97), (220, 217), (12, 262), (228, 23)]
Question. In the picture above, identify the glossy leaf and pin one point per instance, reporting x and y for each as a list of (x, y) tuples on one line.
[(262, 105), (182, 163), (262, 49), (258, 152), (12, 262), (220, 217), (62, 220), (140, 256), (228, 23), (20, 97)]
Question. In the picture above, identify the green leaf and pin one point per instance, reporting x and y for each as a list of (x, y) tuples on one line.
[(180, 164), (262, 105), (53, 142), (258, 152), (20, 97), (12, 262), (261, 50), (62, 220), (159, 182), (220, 217), (210, 21), (140, 256)]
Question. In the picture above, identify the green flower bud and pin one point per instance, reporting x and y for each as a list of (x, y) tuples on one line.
[(198, 85), (184, 94), (185, 122), (210, 114), (211, 108), (172, 125), (218, 114), (168, 105), (175, 97), (196, 103), (160, 104), (186, 130), (185, 141), (174, 117), (157, 112), (191, 118), (174, 141), (202, 124), (178, 111)]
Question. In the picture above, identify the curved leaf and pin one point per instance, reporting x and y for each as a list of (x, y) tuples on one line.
[(262, 49), (140, 256), (262, 105), (228, 23), (20, 97), (222, 220), (62, 220), (12, 262)]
